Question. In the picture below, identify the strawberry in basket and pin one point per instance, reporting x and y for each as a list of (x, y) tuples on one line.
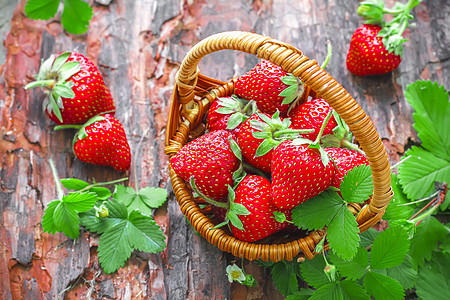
[(344, 160), (229, 113), (262, 133), (75, 89), (210, 160), (301, 169), (270, 86)]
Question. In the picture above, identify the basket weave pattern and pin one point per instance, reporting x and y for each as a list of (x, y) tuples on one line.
[(190, 102)]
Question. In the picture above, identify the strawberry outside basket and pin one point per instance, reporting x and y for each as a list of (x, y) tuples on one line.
[(194, 92)]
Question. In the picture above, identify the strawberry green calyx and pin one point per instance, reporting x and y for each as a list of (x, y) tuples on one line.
[(238, 108), (374, 10), (294, 90), (273, 131), (53, 79)]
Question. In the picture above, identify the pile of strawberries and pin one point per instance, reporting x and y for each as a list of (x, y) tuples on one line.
[(77, 97), (264, 154)]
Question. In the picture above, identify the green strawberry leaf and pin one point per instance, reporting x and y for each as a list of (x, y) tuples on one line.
[(80, 202), (234, 219), (428, 234), (418, 173), (41, 9), (357, 185), (432, 162), (74, 184), (102, 192), (76, 16), (433, 281), (352, 269), (383, 287), (124, 194), (312, 271), (396, 208), (368, 236), (301, 294), (432, 108), (317, 212), (153, 197), (48, 223), (124, 233), (66, 220), (285, 276), (405, 274), (352, 290), (343, 234), (389, 248)]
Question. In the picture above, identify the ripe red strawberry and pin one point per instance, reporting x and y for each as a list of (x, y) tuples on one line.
[(260, 134), (210, 160), (75, 89), (345, 160), (376, 47), (270, 86), (311, 114), (102, 141), (367, 54), (253, 192), (299, 173), (229, 112)]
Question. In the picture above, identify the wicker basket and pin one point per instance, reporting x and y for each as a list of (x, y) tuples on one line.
[(194, 93)]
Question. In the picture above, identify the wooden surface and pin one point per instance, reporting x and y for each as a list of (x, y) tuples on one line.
[(138, 46)]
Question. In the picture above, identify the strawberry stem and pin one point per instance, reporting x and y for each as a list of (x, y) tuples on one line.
[(417, 218), (280, 133), (67, 126), (59, 189), (44, 83), (207, 199), (327, 59), (349, 145), (103, 183), (322, 128)]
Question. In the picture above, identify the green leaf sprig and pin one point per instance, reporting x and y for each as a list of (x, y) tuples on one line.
[(329, 209), (123, 228), (75, 17)]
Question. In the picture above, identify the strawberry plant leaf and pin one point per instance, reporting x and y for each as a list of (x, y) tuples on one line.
[(113, 247), (353, 290), (368, 236), (389, 248), (342, 234), (117, 212), (153, 197), (357, 186), (432, 162), (74, 184), (383, 287), (433, 281), (432, 108), (405, 274), (301, 294), (317, 212), (312, 271), (48, 223), (144, 234), (345, 290), (352, 269), (41, 9), (80, 202), (285, 276), (428, 233), (102, 192), (419, 172), (123, 232), (76, 16), (124, 194), (396, 210), (66, 220)]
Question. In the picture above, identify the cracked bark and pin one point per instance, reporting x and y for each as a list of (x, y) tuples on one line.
[(138, 46)]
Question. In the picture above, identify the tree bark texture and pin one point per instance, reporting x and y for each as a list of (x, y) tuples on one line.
[(138, 46)]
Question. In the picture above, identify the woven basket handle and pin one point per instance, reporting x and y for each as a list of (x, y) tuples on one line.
[(293, 61)]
